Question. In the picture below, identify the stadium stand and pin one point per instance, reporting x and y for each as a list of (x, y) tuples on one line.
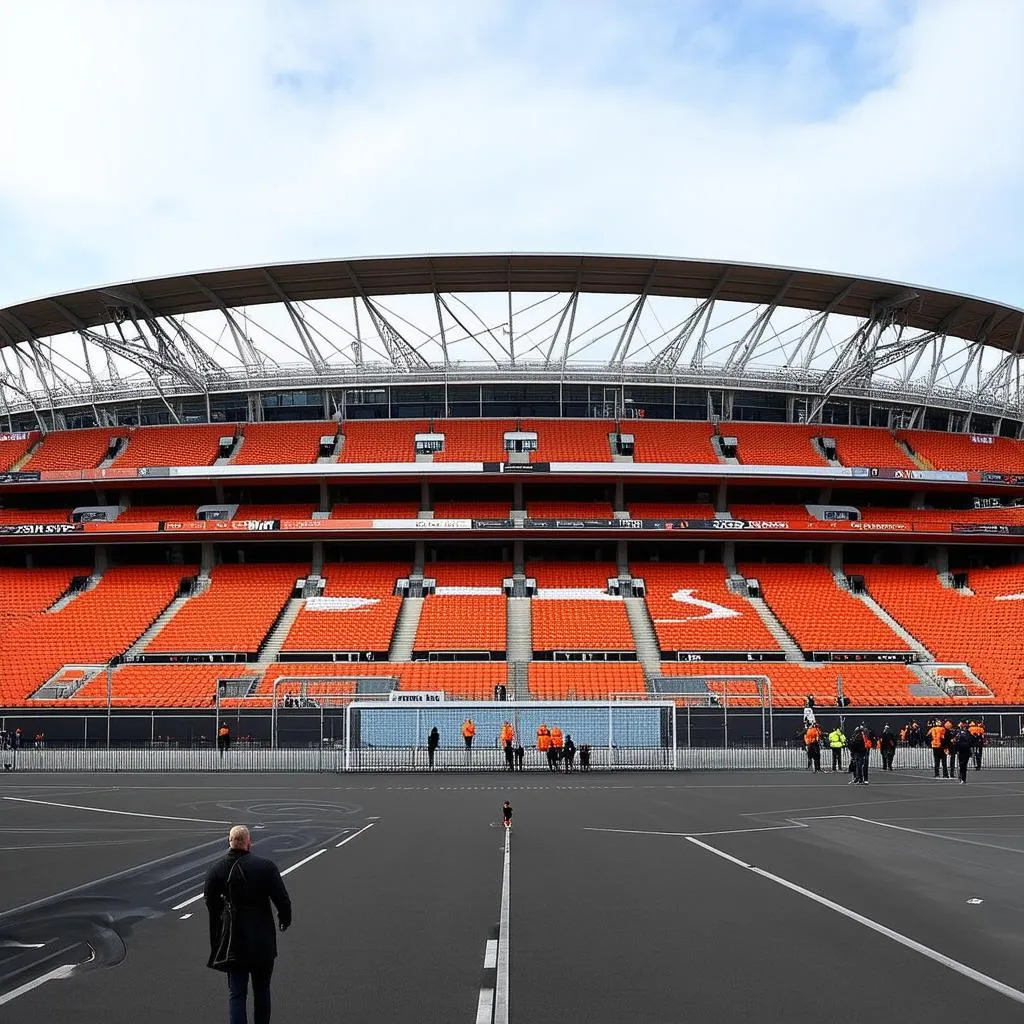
[(473, 440), (468, 574), (73, 449), (585, 681), (769, 513), (234, 615), (158, 514), (360, 612), (979, 626), (91, 629), (692, 609), (571, 441), (464, 621), (670, 510), (14, 516), (197, 445), (472, 509), (817, 613), (867, 446), (14, 449), (537, 509), (302, 510), (277, 444), (380, 440), (376, 510), (865, 684), (961, 451), (774, 444), (567, 575), (160, 686), (671, 441)]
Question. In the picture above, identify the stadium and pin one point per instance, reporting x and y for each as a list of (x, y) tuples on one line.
[(321, 508)]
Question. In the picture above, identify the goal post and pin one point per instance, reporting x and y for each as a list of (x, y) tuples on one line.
[(722, 691), (620, 734)]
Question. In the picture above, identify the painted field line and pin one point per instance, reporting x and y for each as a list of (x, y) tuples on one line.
[(904, 940), (107, 810), (305, 860), (688, 835), (501, 995), (355, 835)]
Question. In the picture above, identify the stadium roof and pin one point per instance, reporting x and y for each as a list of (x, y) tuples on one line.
[(927, 309)]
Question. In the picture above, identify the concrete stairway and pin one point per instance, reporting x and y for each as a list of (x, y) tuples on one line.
[(23, 461), (648, 651), (274, 641), (226, 460), (905, 635), (519, 627), (777, 630), (140, 645), (76, 591), (405, 629)]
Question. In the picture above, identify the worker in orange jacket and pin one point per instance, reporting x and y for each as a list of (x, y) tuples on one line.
[(507, 734), (468, 732), (812, 741), (556, 748), (937, 741), (543, 738), (977, 731)]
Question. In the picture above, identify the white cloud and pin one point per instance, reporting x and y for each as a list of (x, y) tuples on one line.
[(149, 138)]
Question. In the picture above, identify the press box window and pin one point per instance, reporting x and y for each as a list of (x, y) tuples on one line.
[(520, 441), (429, 444)]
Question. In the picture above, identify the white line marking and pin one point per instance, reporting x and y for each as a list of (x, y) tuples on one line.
[(954, 965), (185, 917), (501, 985), (107, 810), (491, 955), (485, 1006), (356, 835), (10, 944), (975, 901), (64, 971), (687, 835), (187, 903), (305, 860), (919, 832)]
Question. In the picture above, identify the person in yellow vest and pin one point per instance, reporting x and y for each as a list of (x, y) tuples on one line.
[(223, 738), (468, 732)]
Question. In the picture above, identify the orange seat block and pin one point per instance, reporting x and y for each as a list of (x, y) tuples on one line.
[(679, 442), (73, 449), (595, 680), (381, 440), (196, 445), (276, 444)]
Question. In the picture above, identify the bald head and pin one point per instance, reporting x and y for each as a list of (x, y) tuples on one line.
[(239, 838)]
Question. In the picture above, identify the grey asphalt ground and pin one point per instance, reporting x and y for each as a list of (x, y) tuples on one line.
[(635, 924)]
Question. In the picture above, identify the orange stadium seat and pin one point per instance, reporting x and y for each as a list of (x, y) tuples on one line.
[(304, 510), (774, 444), (867, 446), (361, 628), (267, 444), (572, 574), (468, 574), (772, 513), (716, 620), (571, 440), (160, 686), (196, 445), (568, 509), (13, 516), (671, 441), (568, 625), (959, 451), (473, 440), (670, 510), (376, 510), (234, 615), (158, 514), (472, 509), (381, 440), (982, 630), (93, 628), (73, 449), (595, 680), (866, 684), (12, 451), (462, 623), (817, 614)]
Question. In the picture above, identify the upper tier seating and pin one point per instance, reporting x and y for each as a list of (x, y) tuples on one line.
[(472, 509), (234, 615), (693, 610), (573, 611), (866, 446), (74, 449), (31, 591), (281, 443), (596, 680), (468, 574), (363, 623), (958, 451), (303, 510), (376, 510), (536, 509), (671, 510), (671, 441), (774, 444), (572, 574), (11, 452), (197, 445), (158, 514), (817, 614), (571, 441), (462, 623), (94, 627), (771, 513), (12, 516), (867, 684), (381, 440), (473, 440), (983, 630)]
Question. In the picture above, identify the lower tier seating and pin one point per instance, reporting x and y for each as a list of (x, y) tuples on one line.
[(595, 680), (462, 623)]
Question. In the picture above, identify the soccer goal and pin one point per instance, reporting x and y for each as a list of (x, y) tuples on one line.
[(618, 734)]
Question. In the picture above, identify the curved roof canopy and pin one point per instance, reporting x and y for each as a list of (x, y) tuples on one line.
[(925, 309)]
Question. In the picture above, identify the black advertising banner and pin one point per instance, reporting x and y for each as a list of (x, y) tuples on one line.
[(996, 528), (733, 656), (517, 467), (20, 477), (39, 529), (1015, 479), (493, 524), (732, 525)]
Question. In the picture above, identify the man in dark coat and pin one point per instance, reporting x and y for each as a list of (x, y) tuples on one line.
[(243, 941)]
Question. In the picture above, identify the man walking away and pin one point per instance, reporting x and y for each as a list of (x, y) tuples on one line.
[(433, 742), (836, 742), (963, 744), (812, 741), (223, 739), (569, 753), (936, 738), (585, 757), (858, 755), (520, 757), (887, 746), (510, 754), (239, 891), (978, 734)]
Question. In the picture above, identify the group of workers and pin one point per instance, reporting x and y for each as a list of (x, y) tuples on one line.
[(952, 747), (558, 748)]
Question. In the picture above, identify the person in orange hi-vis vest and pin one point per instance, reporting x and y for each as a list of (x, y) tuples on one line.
[(977, 731), (812, 741), (556, 748), (937, 740), (468, 732), (507, 733), (543, 738)]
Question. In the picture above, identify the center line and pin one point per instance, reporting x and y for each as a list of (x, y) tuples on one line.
[(107, 810), (501, 984)]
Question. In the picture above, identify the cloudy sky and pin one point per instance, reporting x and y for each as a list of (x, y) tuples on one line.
[(155, 136)]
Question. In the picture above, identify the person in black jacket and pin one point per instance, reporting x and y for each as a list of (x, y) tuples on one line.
[(858, 756), (887, 746), (433, 741), (963, 744), (239, 890)]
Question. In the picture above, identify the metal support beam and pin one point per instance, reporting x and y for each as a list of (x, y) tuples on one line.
[(630, 326)]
